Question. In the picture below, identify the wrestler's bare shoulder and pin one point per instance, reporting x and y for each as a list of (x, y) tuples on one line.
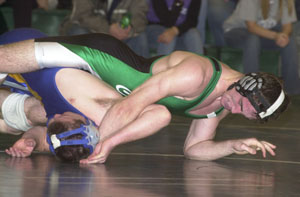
[(182, 59)]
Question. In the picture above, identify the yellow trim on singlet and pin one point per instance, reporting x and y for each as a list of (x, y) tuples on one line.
[(20, 79)]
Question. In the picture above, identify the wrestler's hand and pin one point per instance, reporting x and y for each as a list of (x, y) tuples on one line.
[(251, 146), (100, 153), (22, 148)]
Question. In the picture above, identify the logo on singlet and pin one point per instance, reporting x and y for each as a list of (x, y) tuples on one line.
[(123, 90)]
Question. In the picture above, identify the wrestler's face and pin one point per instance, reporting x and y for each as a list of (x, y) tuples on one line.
[(238, 104), (67, 117)]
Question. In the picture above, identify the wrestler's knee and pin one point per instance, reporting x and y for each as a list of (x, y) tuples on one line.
[(13, 112)]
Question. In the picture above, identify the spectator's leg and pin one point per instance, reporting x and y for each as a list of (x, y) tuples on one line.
[(249, 43), (296, 33), (201, 26), (22, 11), (191, 41), (217, 12), (139, 44), (289, 62), (289, 67), (251, 53), (3, 25), (164, 49), (76, 29), (153, 31)]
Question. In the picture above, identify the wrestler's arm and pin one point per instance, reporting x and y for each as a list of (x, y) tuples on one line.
[(200, 144), (121, 119), (159, 86), (150, 121), (32, 55), (33, 139), (18, 57)]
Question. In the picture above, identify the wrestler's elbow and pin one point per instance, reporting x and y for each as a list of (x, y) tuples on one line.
[(198, 157), (164, 116), (190, 153)]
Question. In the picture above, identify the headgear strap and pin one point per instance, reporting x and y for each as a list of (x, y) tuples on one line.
[(249, 86), (90, 137)]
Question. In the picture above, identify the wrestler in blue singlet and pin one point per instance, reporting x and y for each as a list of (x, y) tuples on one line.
[(41, 83)]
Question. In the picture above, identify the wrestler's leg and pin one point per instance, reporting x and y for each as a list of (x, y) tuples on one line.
[(18, 57), (20, 112), (17, 51), (4, 128)]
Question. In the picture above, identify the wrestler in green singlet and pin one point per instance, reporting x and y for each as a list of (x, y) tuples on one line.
[(116, 64)]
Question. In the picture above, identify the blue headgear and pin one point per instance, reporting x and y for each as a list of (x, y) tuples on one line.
[(90, 137)]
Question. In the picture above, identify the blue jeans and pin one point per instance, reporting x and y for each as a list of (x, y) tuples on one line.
[(296, 33), (189, 41), (217, 12), (252, 44), (201, 26), (138, 44)]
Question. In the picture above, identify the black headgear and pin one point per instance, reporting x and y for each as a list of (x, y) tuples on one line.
[(249, 86)]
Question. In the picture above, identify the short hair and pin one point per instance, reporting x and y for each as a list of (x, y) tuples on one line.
[(270, 91), (72, 153)]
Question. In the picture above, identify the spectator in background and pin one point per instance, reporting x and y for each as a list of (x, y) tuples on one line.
[(22, 9), (296, 25), (64, 4), (3, 25), (265, 24), (202, 18), (217, 12), (296, 31), (297, 6), (105, 16), (173, 25)]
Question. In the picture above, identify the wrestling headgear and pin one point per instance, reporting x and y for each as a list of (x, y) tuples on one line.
[(90, 137), (249, 86)]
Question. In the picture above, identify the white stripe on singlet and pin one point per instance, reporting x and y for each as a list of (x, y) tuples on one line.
[(53, 54)]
